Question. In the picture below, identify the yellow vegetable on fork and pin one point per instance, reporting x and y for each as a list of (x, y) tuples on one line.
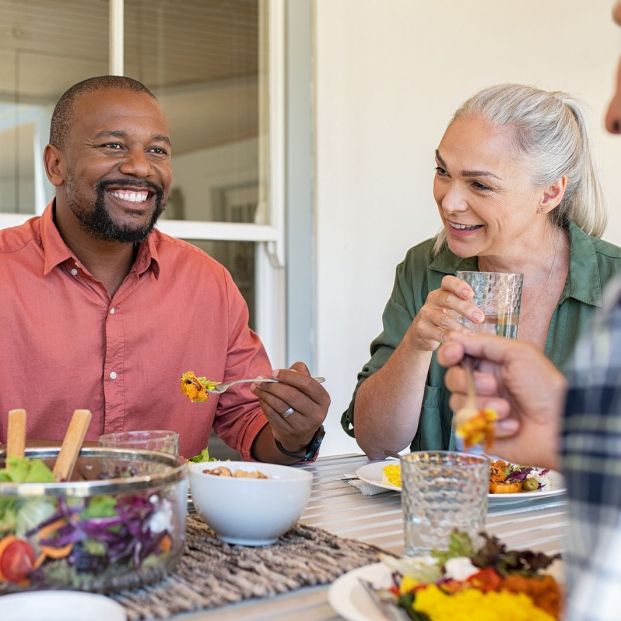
[(196, 389), (473, 425), (476, 427)]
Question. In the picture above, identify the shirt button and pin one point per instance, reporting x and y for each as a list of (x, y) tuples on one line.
[(113, 375), (74, 272), (112, 310)]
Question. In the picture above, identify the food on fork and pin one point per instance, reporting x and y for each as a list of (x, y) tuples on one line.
[(475, 427), (196, 389)]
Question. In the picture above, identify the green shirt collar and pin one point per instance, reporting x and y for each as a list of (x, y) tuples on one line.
[(583, 283)]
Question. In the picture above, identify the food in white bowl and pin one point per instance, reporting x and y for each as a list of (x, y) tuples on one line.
[(246, 510)]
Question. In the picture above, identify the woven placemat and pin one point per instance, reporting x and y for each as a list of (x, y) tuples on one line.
[(212, 573)]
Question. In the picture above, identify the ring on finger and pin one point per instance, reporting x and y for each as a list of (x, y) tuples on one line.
[(288, 412)]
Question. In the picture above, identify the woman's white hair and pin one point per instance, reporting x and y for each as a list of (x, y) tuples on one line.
[(550, 131)]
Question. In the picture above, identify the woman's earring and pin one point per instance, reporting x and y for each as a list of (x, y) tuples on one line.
[(541, 210)]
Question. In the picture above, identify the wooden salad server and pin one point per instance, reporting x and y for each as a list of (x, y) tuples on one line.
[(16, 433), (72, 443)]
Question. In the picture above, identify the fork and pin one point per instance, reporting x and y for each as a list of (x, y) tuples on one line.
[(470, 408), (223, 387), (388, 609)]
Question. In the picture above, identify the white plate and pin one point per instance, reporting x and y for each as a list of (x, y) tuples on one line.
[(348, 598), (374, 474), (59, 606)]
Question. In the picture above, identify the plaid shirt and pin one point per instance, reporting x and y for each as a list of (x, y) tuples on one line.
[(591, 459)]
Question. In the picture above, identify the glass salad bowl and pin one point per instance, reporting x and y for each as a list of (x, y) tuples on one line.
[(118, 524)]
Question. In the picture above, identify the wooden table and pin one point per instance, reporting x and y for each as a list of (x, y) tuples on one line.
[(341, 509)]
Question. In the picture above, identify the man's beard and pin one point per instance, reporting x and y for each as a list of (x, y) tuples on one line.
[(100, 225)]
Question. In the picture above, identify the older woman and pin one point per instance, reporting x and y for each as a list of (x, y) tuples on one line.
[(517, 191)]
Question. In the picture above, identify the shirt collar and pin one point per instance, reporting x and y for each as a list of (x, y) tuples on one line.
[(56, 251), (446, 262), (583, 282)]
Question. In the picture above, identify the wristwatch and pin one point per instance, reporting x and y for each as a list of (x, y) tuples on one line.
[(310, 452)]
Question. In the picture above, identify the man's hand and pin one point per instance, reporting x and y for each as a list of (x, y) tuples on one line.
[(521, 384), (303, 402)]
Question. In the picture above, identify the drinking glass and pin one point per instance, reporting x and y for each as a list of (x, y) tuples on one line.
[(498, 295), (442, 490), (162, 440)]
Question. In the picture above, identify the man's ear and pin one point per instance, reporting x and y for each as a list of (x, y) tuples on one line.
[(54, 165), (552, 195)]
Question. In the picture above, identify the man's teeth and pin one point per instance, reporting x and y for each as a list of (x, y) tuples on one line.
[(132, 197), (465, 227)]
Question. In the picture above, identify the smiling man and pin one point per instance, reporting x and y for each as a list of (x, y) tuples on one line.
[(102, 311)]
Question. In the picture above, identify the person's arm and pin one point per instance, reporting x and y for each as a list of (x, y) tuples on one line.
[(521, 384), (590, 443), (388, 404)]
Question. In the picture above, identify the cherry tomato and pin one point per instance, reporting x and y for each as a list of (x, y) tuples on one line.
[(17, 560)]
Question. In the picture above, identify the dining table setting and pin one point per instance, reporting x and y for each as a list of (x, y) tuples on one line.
[(123, 532)]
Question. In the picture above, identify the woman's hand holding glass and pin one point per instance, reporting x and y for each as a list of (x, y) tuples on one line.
[(442, 312)]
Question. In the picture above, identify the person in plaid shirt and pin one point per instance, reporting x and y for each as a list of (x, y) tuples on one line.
[(570, 423)]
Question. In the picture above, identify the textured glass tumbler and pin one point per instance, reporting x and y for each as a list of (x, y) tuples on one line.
[(161, 440), (442, 490), (498, 295)]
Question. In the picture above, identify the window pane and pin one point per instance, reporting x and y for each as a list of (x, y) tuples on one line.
[(201, 59), (47, 45), (239, 259)]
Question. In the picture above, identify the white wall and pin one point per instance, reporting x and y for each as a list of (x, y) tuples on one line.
[(389, 74)]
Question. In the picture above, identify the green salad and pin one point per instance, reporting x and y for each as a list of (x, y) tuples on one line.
[(48, 540)]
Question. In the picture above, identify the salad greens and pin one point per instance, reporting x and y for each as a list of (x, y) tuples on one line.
[(49, 541), (460, 544), (494, 553), (23, 470), (202, 456)]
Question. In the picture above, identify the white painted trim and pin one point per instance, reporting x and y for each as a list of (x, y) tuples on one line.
[(116, 60), (14, 219), (227, 231), (277, 135), (270, 281)]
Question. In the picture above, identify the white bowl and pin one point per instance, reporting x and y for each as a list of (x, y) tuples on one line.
[(250, 512)]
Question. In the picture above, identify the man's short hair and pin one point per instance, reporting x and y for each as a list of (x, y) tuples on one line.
[(61, 118)]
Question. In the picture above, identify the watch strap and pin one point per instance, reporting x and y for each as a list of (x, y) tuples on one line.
[(310, 452)]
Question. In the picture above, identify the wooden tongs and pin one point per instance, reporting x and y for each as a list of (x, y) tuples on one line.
[(69, 450), (16, 433)]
